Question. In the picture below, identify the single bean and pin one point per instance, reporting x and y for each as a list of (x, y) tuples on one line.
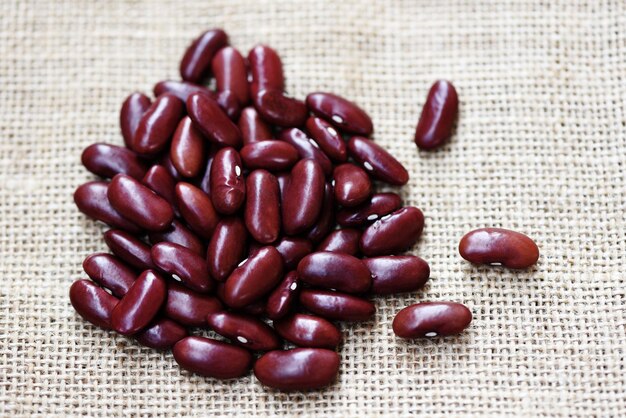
[(270, 155), (344, 241), (197, 209), (183, 264), (393, 233), (252, 127), (230, 105), (158, 124), (497, 246), (228, 186), (297, 369), (341, 112), (431, 319), (179, 234), (244, 330), (281, 301), (160, 181), (377, 161), (181, 89), (212, 358), (325, 221), (188, 149), (92, 303), (188, 307), (338, 271), (292, 250), (109, 272), (307, 148), (262, 211), (327, 137), (106, 160), (352, 185), (266, 70), (281, 110), (379, 205), (308, 331), (132, 110), (303, 197), (91, 199), (337, 306), (231, 74), (161, 334), (397, 274), (129, 248), (196, 63), (438, 115), (210, 119), (226, 248)]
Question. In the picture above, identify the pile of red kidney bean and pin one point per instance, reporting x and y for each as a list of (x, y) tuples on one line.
[(256, 206)]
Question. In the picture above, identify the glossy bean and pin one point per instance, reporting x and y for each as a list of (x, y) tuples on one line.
[(438, 115), (183, 265), (188, 149), (179, 234), (270, 155), (308, 331), (337, 271), (181, 89), (92, 303), (228, 186), (352, 185), (106, 160), (397, 274), (379, 205), (292, 250), (266, 70), (127, 247), (327, 137), (377, 161), (160, 181), (281, 301), (211, 120), (253, 128), (336, 306), (497, 246), (279, 109), (226, 248), (393, 233), (196, 62), (132, 110), (325, 221), (197, 209), (303, 197), (231, 74), (158, 124), (262, 210), (307, 148), (109, 272), (431, 319), (212, 358), (188, 307), (161, 334), (230, 105), (91, 199), (244, 330), (342, 113), (344, 241)]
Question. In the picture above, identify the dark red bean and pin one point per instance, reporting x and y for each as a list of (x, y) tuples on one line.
[(140, 304), (91, 199), (92, 303), (196, 63), (341, 112), (106, 160), (129, 248), (325, 222), (197, 209), (158, 124), (338, 271), (327, 138), (181, 89), (188, 149), (281, 110), (139, 204), (379, 205), (253, 278), (337, 306), (212, 358), (397, 274), (303, 197), (270, 155), (230, 104), (205, 182), (308, 331), (166, 162), (183, 265), (161, 334), (497, 246), (188, 307), (266, 70), (297, 369), (178, 233), (226, 248), (109, 272), (344, 241), (244, 330), (292, 250), (252, 127), (393, 233), (438, 115), (281, 301), (431, 319), (262, 212), (211, 120), (159, 179), (228, 186), (307, 148), (377, 161), (231, 74), (132, 110), (352, 185)]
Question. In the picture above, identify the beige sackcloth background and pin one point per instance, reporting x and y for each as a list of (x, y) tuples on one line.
[(540, 148)]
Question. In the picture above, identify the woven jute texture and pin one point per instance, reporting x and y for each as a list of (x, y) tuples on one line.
[(540, 148)]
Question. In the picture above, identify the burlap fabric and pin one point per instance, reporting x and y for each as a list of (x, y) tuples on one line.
[(539, 148)]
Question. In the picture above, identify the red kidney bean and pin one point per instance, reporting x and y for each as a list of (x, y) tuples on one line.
[(352, 185), (303, 197), (211, 120), (109, 272), (91, 199), (308, 331), (325, 221), (393, 233), (431, 319), (188, 307), (281, 110), (188, 149), (270, 155), (253, 278), (226, 248), (292, 250), (337, 306), (212, 358), (162, 334), (281, 300), (252, 127), (197, 209), (205, 182), (196, 63), (229, 104), (327, 138), (178, 233), (262, 212), (159, 179), (297, 369), (338, 271), (377, 161), (106, 160), (266, 70), (132, 110), (344, 241), (397, 274), (379, 205), (231, 74), (139, 204), (228, 186), (181, 89), (140, 304), (92, 303), (497, 246), (307, 148), (129, 248), (183, 264), (244, 330), (438, 115), (342, 113), (158, 124)]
